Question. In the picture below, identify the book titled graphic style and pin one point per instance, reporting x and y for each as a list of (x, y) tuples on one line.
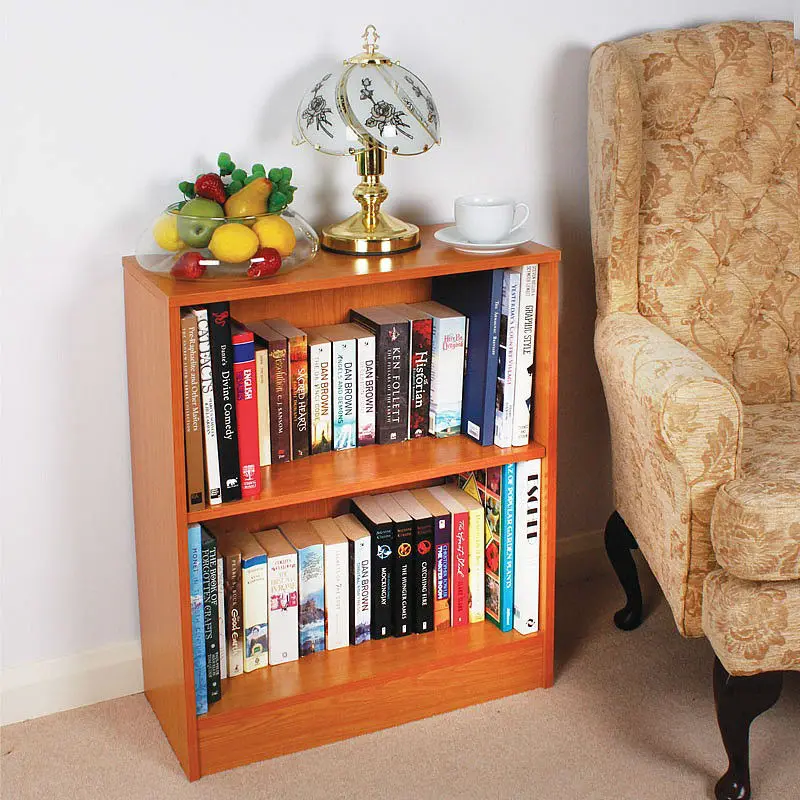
[(526, 337)]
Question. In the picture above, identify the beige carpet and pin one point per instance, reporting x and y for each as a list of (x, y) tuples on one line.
[(630, 717)]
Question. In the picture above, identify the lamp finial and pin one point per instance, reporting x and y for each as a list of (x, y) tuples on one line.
[(371, 38)]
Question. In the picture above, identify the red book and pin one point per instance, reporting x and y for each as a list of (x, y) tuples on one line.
[(244, 377), (459, 549)]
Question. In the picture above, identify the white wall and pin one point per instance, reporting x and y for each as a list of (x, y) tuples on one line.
[(107, 105)]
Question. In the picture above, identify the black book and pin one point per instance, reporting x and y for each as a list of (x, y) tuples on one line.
[(371, 515), (391, 331), (211, 615), (219, 323), (403, 589), (423, 560)]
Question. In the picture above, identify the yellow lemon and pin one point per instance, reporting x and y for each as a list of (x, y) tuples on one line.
[(233, 242), (165, 232), (275, 231)]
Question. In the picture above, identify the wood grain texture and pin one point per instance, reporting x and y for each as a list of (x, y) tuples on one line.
[(152, 330)]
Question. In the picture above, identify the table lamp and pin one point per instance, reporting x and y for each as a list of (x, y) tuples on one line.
[(368, 107)]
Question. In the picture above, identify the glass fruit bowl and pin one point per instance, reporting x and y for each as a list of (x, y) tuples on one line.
[(195, 247)]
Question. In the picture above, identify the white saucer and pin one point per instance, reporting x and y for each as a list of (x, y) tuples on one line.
[(452, 237)]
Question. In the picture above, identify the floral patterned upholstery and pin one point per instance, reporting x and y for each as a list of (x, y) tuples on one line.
[(693, 162)]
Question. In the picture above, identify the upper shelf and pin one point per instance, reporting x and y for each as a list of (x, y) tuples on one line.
[(332, 271)]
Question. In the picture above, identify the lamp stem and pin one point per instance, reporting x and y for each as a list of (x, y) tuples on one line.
[(370, 193)]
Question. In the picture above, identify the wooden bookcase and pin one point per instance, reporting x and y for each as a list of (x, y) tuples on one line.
[(355, 690)]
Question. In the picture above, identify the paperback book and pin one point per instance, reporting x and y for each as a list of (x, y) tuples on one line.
[(211, 616), (192, 413), (459, 559), (506, 360), (402, 575), (526, 338), (245, 382), (527, 545), (209, 411), (198, 621), (360, 574), (223, 646), (320, 369), (476, 533), (254, 601), (441, 539), (262, 397), (232, 583), (337, 583)]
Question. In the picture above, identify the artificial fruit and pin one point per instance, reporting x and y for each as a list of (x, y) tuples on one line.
[(249, 201), (195, 221)]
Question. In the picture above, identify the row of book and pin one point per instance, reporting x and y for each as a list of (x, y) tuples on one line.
[(400, 563), (267, 392)]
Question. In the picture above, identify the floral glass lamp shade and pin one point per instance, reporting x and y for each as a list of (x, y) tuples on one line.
[(368, 107)]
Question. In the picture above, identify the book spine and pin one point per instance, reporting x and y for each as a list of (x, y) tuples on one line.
[(262, 398), (311, 582), (225, 400), (459, 581), (319, 367), (477, 578), (298, 372), (344, 394), (523, 386), (366, 390), (447, 375), (280, 413), (234, 641), (381, 556), (337, 596), (198, 622), (423, 575), (254, 593), (506, 367), (211, 618), (442, 541), (526, 546), (419, 402), (283, 608), (507, 504), (492, 507), (403, 580), (223, 647), (192, 413), (245, 384), (360, 590), (209, 412)]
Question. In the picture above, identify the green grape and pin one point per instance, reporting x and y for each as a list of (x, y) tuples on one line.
[(275, 174), (235, 186), (250, 178), (259, 171), (239, 175), (286, 174)]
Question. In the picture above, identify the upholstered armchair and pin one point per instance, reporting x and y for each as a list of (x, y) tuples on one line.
[(693, 163)]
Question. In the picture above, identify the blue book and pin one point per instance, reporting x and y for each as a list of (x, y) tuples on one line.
[(508, 490), (198, 623), (477, 296)]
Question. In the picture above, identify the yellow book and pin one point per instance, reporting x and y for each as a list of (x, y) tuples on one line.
[(477, 581)]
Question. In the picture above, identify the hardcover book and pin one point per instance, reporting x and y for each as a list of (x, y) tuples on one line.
[(507, 525), (298, 379), (459, 549), (209, 411), (403, 589), (245, 383), (392, 360), (219, 324), (526, 338), (280, 410), (448, 342), (192, 413), (478, 296), (422, 560), (360, 576), (282, 613), (337, 583), (198, 621), (211, 616), (526, 546), (254, 600), (320, 368), (311, 584), (262, 397), (223, 646), (442, 527), (232, 583), (506, 360), (419, 389), (372, 516)]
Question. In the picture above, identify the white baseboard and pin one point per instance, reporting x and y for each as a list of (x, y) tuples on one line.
[(46, 687)]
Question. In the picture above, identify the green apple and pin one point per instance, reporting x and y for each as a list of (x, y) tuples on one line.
[(194, 224)]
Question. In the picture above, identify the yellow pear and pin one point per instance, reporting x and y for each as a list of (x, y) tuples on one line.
[(249, 201)]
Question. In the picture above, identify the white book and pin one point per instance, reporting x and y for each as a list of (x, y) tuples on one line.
[(360, 576), (337, 583), (223, 647), (526, 340), (209, 418), (262, 395), (527, 534), (254, 601), (507, 356), (320, 370), (365, 355), (282, 596)]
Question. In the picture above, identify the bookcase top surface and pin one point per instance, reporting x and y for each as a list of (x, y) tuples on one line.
[(330, 271)]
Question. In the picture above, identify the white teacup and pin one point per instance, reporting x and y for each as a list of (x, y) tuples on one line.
[(485, 218)]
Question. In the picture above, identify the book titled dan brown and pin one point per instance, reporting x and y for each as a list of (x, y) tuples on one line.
[(192, 412)]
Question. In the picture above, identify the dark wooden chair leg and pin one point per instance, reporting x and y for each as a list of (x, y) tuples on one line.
[(739, 700), (619, 543)]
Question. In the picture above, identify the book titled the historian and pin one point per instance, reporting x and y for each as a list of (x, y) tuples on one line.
[(262, 396), (320, 370), (526, 339), (360, 576), (192, 412), (282, 612), (337, 583), (209, 413), (245, 381), (459, 549), (232, 583), (442, 532), (254, 600), (507, 360), (526, 546), (311, 584), (198, 623), (211, 616)]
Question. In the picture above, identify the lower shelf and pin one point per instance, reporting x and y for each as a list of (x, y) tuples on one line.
[(342, 693)]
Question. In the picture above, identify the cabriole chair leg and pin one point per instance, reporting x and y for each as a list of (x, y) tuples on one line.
[(619, 543)]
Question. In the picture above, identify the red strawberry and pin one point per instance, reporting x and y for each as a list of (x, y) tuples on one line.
[(211, 186), (189, 265), (266, 262)]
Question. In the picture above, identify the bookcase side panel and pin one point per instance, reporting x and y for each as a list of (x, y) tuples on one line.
[(159, 516)]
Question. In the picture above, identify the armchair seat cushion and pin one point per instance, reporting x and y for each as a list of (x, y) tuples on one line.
[(755, 523)]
